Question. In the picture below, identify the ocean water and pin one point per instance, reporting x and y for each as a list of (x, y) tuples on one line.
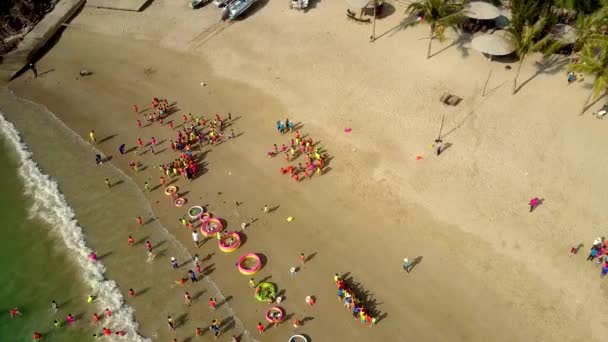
[(48, 250), (104, 219), (34, 267)]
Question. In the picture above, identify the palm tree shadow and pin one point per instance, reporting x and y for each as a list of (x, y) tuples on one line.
[(403, 24), (551, 65), (592, 103), (462, 39)]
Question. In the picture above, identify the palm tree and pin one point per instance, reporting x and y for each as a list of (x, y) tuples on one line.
[(594, 62), (581, 6), (440, 14), (532, 38), (587, 29)]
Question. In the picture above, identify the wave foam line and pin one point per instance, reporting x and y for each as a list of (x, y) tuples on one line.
[(50, 205)]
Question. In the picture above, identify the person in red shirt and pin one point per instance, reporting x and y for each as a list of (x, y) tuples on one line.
[(260, 328), (37, 336), (131, 241), (14, 312), (131, 293), (108, 312), (212, 303)]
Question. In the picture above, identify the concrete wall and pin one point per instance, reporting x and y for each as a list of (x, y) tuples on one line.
[(15, 60)]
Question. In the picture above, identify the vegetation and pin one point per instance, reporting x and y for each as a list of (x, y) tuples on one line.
[(532, 38), (440, 15), (594, 62)]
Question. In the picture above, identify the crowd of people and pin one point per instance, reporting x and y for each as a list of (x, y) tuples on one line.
[(353, 303), (315, 157)]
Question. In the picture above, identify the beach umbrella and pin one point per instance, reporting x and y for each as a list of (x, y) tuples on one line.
[(481, 10), (565, 33), (358, 3), (498, 44), (494, 44)]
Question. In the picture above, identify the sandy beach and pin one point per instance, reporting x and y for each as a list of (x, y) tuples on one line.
[(489, 270)]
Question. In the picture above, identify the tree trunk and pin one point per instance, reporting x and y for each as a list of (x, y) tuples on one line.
[(521, 62), (586, 102), (428, 51)]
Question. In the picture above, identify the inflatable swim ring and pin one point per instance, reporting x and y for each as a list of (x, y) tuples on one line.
[(180, 201), (275, 312), (246, 269), (211, 226), (229, 242), (204, 216), (170, 190), (266, 292), (195, 211), (298, 338)]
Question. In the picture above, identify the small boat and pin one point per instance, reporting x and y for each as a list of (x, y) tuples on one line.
[(236, 8), (196, 3), (221, 3)]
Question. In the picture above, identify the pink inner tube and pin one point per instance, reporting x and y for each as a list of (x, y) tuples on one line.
[(204, 216), (211, 226), (227, 248), (254, 269), (275, 309)]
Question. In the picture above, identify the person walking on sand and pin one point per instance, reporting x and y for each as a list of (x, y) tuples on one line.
[(54, 307), (534, 202), (121, 148), (147, 186), (192, 276), (407, 265), (187, 299), (131, 241), (32, 67), (260, 328), (108, 313), (163, 182), (151, 256), (107, 181), (148, 246), (438, 146), (215, 327), (174, 263), (195, 238), (92, 137), (593, 253), (302, 259), (171, 323), (212, 303), (265, 209), (251, 283), (140, 221), (131, 293)]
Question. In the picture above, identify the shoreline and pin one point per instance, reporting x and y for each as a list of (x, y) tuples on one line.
[(496, 264)]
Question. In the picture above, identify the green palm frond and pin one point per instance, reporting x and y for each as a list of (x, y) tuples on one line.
[(594, 62)]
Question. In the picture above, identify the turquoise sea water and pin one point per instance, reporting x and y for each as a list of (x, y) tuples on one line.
[(34, 269)]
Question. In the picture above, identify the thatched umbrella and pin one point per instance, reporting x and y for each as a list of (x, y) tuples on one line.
[(494, 45), (481, 10)]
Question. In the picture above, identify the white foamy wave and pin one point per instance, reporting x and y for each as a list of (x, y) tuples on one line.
[(51, 206)]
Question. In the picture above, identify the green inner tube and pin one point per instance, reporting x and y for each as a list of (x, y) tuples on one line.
[(266, 292)]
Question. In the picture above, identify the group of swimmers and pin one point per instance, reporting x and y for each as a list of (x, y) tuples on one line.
[(352, 303)]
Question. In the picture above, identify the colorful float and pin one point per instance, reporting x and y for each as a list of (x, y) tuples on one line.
[(171, 189), (229, 242), (298, 338), (195, 211), (204, 216), (180, 201), (249, 264), (275, 313), (211, 226), (266, 292)]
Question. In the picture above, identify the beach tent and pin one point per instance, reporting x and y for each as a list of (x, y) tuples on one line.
[(500, 43), (481, 10)]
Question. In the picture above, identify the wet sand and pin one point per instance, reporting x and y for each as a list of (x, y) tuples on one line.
[(488, 270)]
